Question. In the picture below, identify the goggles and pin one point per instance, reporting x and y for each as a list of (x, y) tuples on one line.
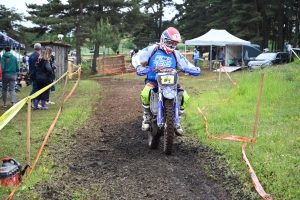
[(170, 43)]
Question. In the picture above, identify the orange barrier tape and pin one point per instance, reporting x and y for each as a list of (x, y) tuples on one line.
[(227, 137), (113, 65), (254, 178), (110, 71), (107, 71), (113, 68), (126, 74), (216, 103), (234, 83), (208, 78)]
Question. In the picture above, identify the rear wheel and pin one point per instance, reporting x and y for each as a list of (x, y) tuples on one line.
[(169, 127)]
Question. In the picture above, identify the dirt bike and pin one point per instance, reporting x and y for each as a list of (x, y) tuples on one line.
[(164, 105)]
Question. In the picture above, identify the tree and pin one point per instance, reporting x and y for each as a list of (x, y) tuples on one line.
[(103, 35), (9, 23), (110, 10), (248, 25), (149, 25), (192, 17)]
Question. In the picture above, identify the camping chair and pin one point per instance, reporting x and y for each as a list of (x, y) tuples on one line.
[(231, 63)]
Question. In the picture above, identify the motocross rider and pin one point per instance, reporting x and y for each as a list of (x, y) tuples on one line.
[(162, 54)]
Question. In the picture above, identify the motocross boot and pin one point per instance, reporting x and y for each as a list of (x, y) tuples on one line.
[(146, 117), (177, 127)]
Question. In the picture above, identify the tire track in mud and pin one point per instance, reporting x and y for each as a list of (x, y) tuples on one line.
[(109, 158)]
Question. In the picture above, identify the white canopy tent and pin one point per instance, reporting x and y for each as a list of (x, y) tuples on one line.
[(216, 37), (17, 54)]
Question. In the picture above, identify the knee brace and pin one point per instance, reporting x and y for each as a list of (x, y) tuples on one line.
[(185, 99)]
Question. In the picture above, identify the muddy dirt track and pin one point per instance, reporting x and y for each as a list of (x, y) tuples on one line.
[(109, 158)]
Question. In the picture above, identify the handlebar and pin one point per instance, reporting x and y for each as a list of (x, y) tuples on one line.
[(165, 69)]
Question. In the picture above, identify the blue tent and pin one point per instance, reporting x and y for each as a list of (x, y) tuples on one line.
[(8, 41)]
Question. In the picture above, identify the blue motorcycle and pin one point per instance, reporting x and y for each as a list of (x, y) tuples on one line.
[(165, 102)]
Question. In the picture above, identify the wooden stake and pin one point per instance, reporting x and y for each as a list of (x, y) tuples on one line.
[(28, 131), (257, 107), (220, 68)]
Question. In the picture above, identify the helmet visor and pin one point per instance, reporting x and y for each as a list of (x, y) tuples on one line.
[(171, 44)]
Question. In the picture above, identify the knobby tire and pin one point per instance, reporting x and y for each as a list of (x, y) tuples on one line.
[(169, 129)]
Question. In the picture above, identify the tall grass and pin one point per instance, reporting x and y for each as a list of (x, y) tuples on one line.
[(275, 154)]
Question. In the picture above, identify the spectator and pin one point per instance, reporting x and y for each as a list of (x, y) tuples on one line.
[(75, 68), (240, 61), (135, 50), (118, 53), (288, 47), (196, 57), (44, 74), (201, 50), (0, 70), (222, 56), (10, 67), (52, 63), (213, 54), (73, 53), (25, 62), (32, 72)]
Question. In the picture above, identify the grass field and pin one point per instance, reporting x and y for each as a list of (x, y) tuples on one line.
[(275, 154)]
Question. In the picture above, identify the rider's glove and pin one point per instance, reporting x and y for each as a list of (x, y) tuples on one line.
[(141, 71), (195, 71), (197, 68)]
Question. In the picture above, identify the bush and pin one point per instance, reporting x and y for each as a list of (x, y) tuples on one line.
[(85, 66)]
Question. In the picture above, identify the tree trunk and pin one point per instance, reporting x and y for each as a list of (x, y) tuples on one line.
[(96, 55), (296, 25), (78, 37), (280, 25), (264, 26)]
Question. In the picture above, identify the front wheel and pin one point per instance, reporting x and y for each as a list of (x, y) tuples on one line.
[(169, 126)]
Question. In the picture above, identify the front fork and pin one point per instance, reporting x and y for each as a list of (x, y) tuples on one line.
[(160, 117)]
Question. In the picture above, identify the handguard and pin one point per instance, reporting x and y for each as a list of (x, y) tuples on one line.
[(141, 71), (195, 71)]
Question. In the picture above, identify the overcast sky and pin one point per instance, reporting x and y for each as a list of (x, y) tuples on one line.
[(21, 7), (20, 4)]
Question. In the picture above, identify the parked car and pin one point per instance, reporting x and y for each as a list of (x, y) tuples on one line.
[(268, 59)]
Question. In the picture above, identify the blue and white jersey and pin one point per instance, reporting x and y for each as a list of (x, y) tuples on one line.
[(160, 58)]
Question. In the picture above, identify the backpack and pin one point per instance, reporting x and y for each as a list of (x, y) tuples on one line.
[(24, 59)]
